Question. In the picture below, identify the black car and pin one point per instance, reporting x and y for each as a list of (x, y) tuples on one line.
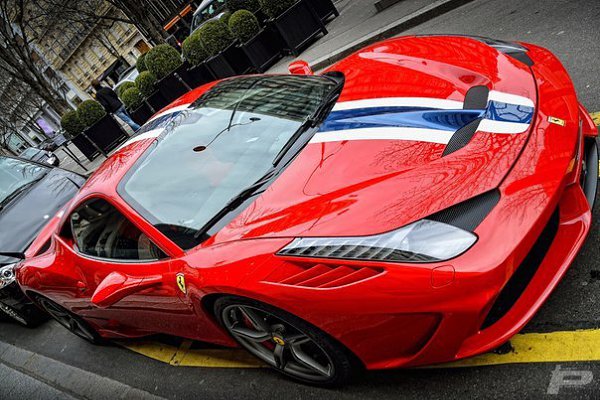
[(31, 193), (41, 156)]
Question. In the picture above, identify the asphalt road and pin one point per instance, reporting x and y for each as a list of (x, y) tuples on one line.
[(570, 29)]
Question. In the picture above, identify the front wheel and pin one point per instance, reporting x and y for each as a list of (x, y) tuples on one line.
[(70, 321), (286, 343)]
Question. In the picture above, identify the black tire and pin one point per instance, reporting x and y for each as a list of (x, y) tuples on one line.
[(29, 317), (589, 173), (75, 324), (343, 364)]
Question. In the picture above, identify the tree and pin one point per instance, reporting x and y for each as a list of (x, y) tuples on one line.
[(94, 11), (19, 108), (19, 57)]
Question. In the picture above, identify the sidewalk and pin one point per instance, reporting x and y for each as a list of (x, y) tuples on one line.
[(359, 24)]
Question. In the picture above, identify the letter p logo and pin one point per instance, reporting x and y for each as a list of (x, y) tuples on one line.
[(562, 378)]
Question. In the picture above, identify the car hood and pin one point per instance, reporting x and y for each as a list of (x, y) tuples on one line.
[(381, 159), (23, 218)]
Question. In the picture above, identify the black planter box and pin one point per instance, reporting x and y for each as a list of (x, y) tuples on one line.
[(219, 66), (141, 114), (263, 50), (199, 75), (298, 26), (261, 17), (173, 86), (230, 62), (156, 101), (107, 134), (86, 147), (237, 59), (325, 9)]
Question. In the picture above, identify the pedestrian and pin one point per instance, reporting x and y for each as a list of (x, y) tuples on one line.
[(112, 104)]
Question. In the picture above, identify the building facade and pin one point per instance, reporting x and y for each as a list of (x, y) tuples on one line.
[(88, 51)]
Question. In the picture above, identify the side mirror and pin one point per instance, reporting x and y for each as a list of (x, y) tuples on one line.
[(300, 67), (116, 286)]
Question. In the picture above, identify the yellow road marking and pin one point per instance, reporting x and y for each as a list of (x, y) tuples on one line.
[(568, 346), (562, 346), (596, 117), (183, 356)]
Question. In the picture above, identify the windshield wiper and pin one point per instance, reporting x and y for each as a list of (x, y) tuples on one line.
[(236, 201), (16, 194), (314, 120)]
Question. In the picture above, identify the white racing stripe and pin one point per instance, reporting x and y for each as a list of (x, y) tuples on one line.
[(146, 135), (169, 111), (488, 125), (426, 102), (510, 99), (395, 133)]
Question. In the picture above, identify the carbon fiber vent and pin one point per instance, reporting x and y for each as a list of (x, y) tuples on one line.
[(476, 98), (461, 137), (323, 276), (469, 214)]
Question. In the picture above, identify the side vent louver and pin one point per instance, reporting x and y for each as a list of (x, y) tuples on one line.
[(324, 276)]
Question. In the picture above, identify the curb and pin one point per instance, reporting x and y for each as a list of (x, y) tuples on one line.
[(71, 381), (411, 20)]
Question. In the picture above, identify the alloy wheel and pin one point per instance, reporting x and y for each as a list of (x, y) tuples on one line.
[(278, 343), (69, 320)]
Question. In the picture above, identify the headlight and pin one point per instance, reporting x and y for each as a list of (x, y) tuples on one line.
[(7, 275), (420, 242)]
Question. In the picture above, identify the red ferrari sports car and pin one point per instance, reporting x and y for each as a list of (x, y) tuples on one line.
[(414, 204)]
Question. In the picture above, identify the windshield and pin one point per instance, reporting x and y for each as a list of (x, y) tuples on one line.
[(226, 142), (208, 12), (16, 174), (30, 153)]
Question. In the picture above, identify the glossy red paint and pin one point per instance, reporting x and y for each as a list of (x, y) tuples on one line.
[(424, 313)]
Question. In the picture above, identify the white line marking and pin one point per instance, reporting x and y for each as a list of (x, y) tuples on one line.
[(428, 102), (169, 111), (488, 125), (154, 133), (395, 133), (510, 99)]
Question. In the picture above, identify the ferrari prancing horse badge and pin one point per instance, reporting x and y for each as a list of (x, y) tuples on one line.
[(181, 283)]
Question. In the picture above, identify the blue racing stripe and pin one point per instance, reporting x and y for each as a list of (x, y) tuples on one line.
[(505, 112), (446, 120)]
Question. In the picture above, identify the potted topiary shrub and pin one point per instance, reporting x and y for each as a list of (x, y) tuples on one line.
[(261, 46), (295, 21), (71, 123), (225, 58), (123, 87), (195, 55), (165, 63), (136, 106), (250, 5), (140, 64), (73, 126), (325, 9), (101, 128), (146, 84)]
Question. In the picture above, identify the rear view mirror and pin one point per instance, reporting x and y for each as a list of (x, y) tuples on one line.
[(116, 286)]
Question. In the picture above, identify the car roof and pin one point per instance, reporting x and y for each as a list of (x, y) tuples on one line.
[(203, 6)]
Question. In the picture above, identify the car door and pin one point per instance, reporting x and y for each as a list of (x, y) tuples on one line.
[(125, 279)]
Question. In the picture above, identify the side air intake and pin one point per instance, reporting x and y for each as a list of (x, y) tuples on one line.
[(321, 276)]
